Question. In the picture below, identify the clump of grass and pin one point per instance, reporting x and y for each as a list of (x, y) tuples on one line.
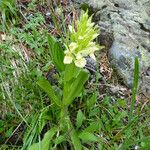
[(19, 67), (9, 13)]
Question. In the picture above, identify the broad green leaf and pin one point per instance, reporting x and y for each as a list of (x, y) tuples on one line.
[(76, 87), (76, 141), (59, 57), (94, 126), (91, 102), (80, 118), (45, 143), (71, 72), (46, 86), (57, 54), (88, 137), (60, 139)]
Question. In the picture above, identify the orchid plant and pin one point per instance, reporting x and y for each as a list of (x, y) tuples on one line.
[(72, 77)]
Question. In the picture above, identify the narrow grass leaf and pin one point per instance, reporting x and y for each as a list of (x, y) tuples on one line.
[(30, 135), (117, 136), (51, 42), (44, 117), (10, 7), (135, 87)]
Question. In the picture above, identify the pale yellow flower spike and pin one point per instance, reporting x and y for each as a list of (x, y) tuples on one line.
[(81, 44)]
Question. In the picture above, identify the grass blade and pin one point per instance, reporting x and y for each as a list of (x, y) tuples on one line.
[(134, 88)]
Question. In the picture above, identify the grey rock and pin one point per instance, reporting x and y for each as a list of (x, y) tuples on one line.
[(125, 31), (91, 65)]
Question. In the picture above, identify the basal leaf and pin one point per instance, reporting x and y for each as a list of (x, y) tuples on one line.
[(45, 143)]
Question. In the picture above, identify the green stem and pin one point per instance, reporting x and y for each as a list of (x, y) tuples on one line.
[(67, 127), (64, 118), (63, 113)]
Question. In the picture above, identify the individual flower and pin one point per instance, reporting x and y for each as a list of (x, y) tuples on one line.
[(80, 61), (68, 58)]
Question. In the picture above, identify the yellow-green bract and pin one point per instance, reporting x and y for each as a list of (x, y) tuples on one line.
[(81, 41)]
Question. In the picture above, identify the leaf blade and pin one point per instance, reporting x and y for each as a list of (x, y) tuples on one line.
[(46, 86), (76, 141), (76, 87), (88, 137), (45, 143), (56, 52), (80, 118)]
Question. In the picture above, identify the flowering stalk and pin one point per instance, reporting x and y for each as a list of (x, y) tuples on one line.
[(81, 41)]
